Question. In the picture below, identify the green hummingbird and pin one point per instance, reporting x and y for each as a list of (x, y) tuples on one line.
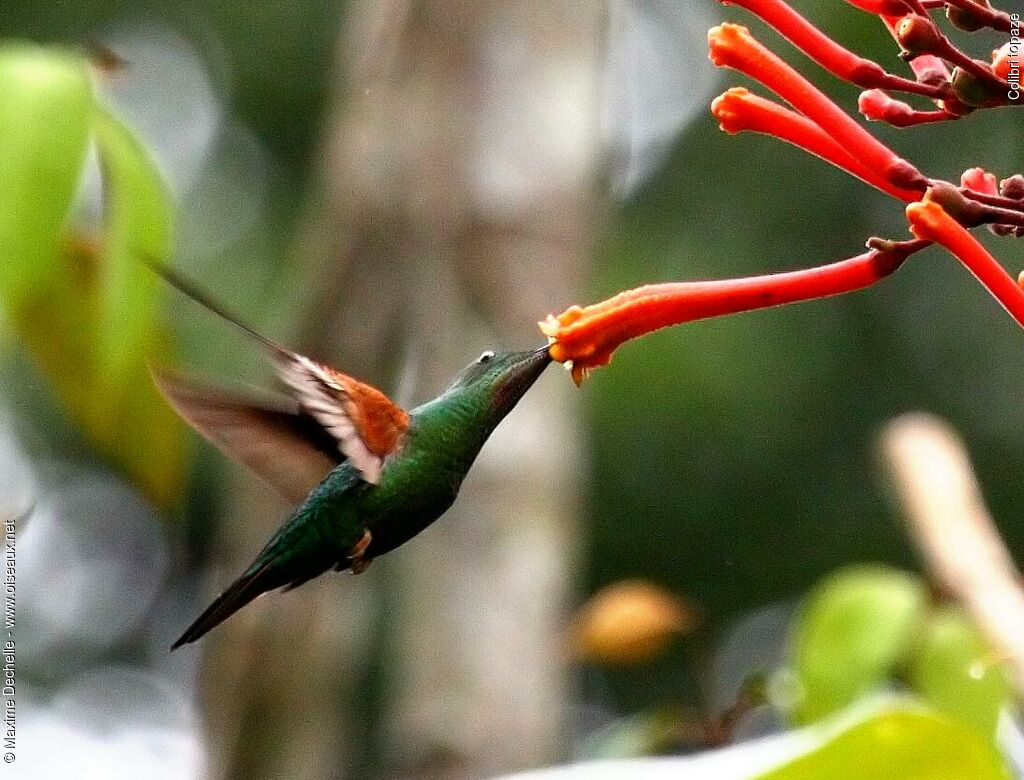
[(369, 474)]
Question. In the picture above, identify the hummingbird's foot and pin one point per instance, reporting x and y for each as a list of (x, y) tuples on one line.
[(358, 564)]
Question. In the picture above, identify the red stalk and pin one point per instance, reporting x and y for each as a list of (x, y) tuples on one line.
[(877, 106)]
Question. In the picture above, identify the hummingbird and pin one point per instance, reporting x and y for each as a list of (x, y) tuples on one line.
[(367, 475)]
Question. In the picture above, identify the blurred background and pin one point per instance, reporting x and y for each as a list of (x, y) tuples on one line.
[(394, 186)]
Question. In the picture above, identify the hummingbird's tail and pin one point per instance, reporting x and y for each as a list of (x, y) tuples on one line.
[(285, 562)]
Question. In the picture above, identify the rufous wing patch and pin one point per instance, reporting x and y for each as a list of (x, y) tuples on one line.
[(367, 425)]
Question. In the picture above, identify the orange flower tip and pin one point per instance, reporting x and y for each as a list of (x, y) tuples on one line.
[(1020, 280), (979, 180), (558, 352), (926, 218), (726, 41), (729, 109), (578, 371)]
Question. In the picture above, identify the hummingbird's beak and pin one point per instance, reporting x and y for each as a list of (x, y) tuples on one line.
[(521, 373), (532, 364)]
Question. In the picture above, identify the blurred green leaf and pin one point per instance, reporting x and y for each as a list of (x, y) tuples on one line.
[(44, 133), (954, 671), (137, 215), (85, 308), (133, 423), (853, 628), (900, 743)]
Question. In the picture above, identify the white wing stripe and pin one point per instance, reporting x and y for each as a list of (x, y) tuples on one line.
[(309, 380)]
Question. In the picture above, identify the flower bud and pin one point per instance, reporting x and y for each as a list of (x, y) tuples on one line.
[(979, 180), (966, 19), (973, 91), (917, 34), (1012, 187)]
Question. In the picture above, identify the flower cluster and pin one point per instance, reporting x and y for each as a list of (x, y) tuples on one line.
[(938, 211)]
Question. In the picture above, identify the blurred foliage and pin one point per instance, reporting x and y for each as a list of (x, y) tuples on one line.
[(864, 629), (900, 743), (85, 308), (957, 672), (862, 632), (853, 629)]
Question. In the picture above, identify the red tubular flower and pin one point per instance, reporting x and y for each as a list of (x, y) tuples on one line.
[(738, 109), (834, 58), (929, 221), (877, 106), (733, 46), (588, 336)]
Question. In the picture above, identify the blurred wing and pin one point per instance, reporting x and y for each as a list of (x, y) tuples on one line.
[(367, 425), (289, 450)]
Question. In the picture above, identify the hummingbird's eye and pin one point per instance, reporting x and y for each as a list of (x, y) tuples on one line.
[(485, 357)]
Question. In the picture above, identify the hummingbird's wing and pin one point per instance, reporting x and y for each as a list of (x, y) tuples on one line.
[(288, 449), (367, 425), (364, 423)]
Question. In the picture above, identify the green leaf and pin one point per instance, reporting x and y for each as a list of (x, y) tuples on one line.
[(85, 308), (954, 671), (137, 215), (45, 113), (900, 743), (131, 421), (854, 627)]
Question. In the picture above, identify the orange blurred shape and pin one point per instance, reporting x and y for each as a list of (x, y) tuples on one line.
[(629, 622)]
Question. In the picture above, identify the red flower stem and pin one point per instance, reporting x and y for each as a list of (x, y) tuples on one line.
[(929, 221), (877, 106), (999, 201), (739, 110), (834, 58), (950, 53), (1000, 216), (733, 46)]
